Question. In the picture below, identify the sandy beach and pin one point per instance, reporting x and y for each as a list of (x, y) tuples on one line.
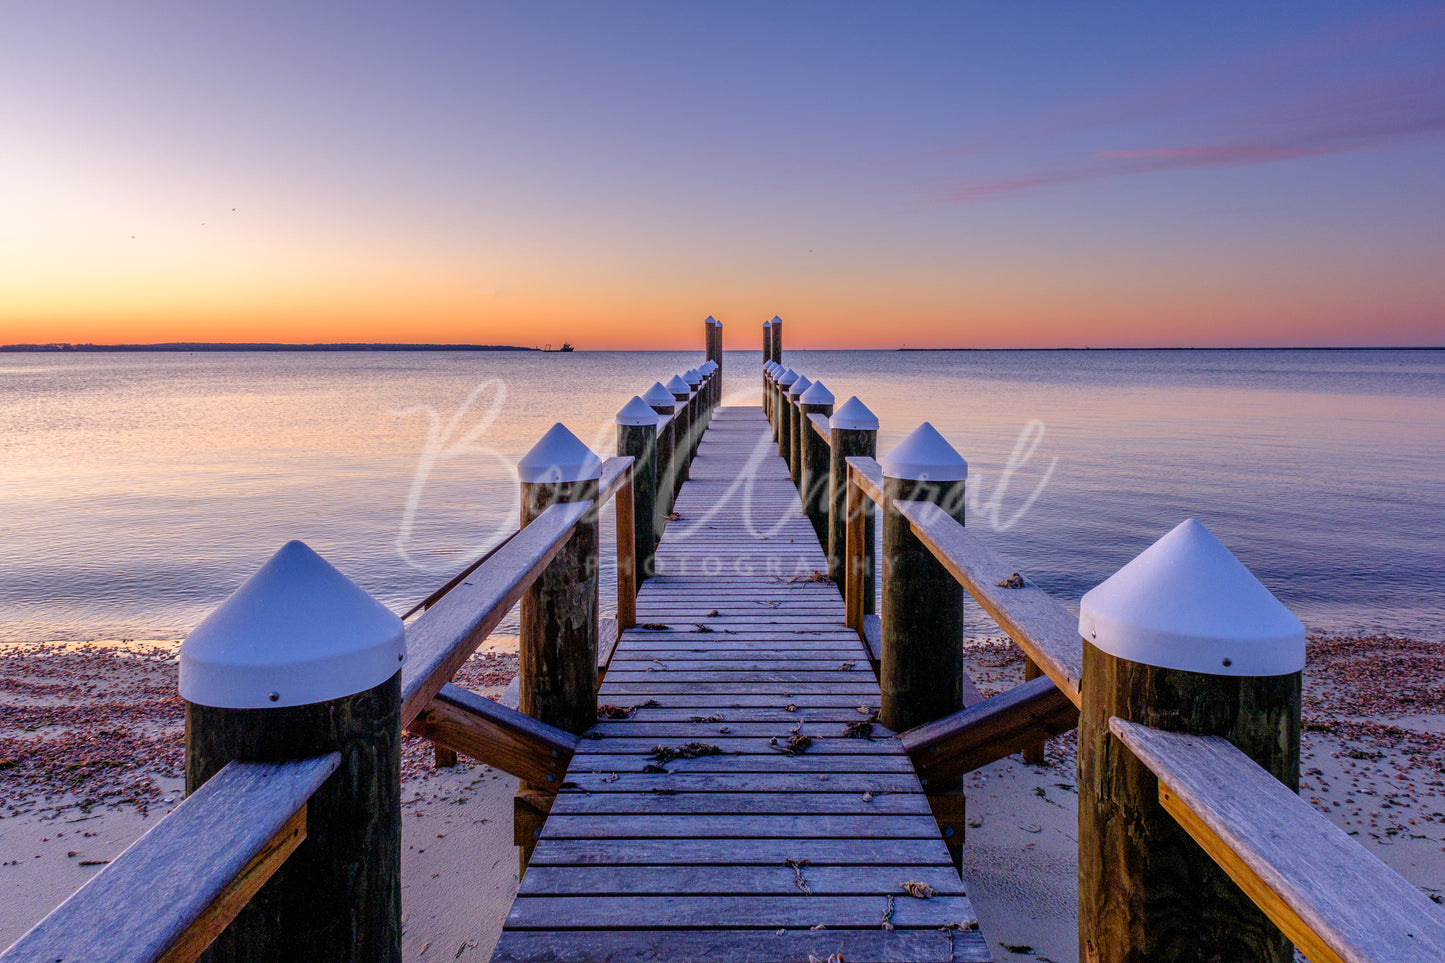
[(91, 755)]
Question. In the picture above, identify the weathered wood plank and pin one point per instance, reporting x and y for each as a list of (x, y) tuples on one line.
[(145, 900), (490, 733), (702, 852), (445, 635), (753, 762), (770, 781), (751, 826), (734, 745), (733, 946), (732, 912), (1333, 898), (1036, 622), (744, 803), (780, 879)]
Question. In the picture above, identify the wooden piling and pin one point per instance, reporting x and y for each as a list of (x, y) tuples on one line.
[(717, 359), (1033, 754), (795, 429), (777, 339), (817, 400), (660, 400), (1146, 889), (921, 670), (637, 436), (681, 434), (559, 629), (852, 432), (767, 356), (338, 897), (783, 426)]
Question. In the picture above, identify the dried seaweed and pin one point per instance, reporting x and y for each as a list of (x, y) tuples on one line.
[(1014, 581), (888, 915), (847, 665), (811, 577), (655, 627), (699, 627), (918, 890), (688, 750), (798, 879), (612, 712), (862, 729), (653, 767), (792, 745), (715, 717), (712, 615)]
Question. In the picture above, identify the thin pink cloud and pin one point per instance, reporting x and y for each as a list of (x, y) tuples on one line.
[(1357, 117)]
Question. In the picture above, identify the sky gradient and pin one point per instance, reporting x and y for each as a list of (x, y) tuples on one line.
[(990, 175)]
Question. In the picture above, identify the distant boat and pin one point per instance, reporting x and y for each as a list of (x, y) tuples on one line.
[(565, 347)]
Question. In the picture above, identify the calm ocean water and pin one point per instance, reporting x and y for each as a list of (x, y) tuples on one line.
[(138, 491)]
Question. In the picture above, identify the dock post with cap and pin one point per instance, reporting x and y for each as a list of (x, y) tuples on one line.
[(767, 362), (852, 433), (795, 429), (1183, 638), (921, 669), (637, 437), (557, 664), (783, 425), (660, 400), (696, 413), (681, 433), (817, 400), (300, 662)]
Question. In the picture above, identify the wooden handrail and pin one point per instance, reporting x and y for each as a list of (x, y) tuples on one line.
[(458, 578), (820, 425), (177, 887), (989, 730), (446, 635), (616, 472), (867, 474), (1036, 622), (1333, 898), (490, 733)]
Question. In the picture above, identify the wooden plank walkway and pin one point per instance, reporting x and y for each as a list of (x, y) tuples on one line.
[(751, 853)]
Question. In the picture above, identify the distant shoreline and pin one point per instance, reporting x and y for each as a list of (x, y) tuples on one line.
[(178, 346), (1306, 347)]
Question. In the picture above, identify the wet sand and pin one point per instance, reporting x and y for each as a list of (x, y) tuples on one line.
[(90, 757)]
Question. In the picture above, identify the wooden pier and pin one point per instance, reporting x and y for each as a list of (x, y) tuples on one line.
[(704, 776), (769, 847)]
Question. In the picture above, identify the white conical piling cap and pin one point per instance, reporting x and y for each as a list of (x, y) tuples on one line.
[(925, 455), (658, 396), (817, 394), (853, 415), (776, 320), (559, 456), (638, 412), (787, 377), (295, 633), (693, 377), (709, 366), (710, 320), (678, 387), (769, 367), (798, 387), (1187, 603)]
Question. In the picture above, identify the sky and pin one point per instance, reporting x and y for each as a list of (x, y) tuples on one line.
[(609, 174)]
